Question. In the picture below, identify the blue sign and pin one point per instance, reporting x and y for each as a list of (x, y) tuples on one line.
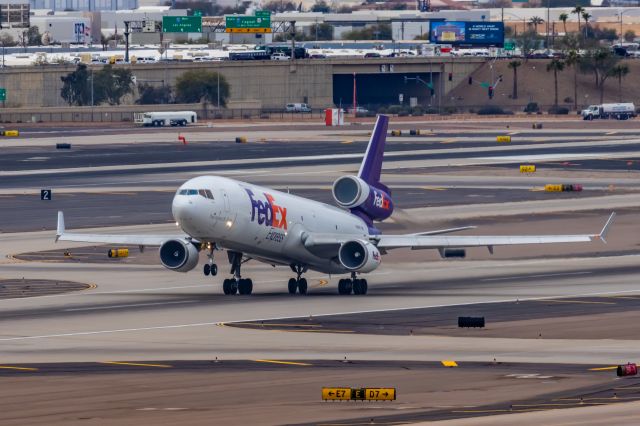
[(79, 28), (467, 33)]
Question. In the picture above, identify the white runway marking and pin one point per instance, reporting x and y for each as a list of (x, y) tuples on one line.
[(211, 323), (134, 305), (524, 277)]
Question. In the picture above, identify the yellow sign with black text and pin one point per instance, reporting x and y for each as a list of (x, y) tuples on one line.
[(336, 394), (506, 138), (527, 168), (248, 30)]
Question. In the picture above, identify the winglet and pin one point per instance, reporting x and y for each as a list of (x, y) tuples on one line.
[(60, 229), (605, 229)]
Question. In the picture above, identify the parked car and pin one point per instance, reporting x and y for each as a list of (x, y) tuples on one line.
[(297, 107), (357, 110), (279, 56), (372, 55)]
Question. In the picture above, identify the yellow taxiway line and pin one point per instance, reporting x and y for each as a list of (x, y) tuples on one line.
[(272, 361), (137, 364)]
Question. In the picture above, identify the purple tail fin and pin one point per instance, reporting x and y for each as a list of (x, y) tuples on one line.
[(372, 162)]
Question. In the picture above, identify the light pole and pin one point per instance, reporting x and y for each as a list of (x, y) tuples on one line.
[(619, 14)]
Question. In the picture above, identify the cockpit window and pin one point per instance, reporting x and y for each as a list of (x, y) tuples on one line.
[(209, 194), (183, 192), (192, 192), (206, 193)]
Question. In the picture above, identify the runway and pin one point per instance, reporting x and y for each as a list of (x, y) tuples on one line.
[(554, 311)]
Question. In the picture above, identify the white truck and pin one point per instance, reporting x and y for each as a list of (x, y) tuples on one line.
[(164, 118), (620, 111)]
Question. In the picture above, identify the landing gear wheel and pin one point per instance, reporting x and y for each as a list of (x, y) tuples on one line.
[(360, 286), (245, 287), (226, 286), (293, 285), (207, 269), (345, 286), (213, 270), (302, 286), (365, 286)]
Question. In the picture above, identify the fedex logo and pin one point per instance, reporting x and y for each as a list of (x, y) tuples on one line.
[(380, 201), (376, 256), (267, 212)]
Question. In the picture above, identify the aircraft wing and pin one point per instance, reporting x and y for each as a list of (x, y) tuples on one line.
[(137, 240), (417, 241)]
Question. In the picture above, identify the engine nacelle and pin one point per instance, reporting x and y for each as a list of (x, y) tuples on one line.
[(179, 256), (351, 192), (359, 256)]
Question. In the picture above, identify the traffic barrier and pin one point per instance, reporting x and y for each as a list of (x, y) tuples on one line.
[(630, 369), (113, 253), (241, 139), (10, 133), (182, 139), (505, 138), (527, 168), (471, 322), (414, 132), (63, 146), (396, 133), (537, 126)]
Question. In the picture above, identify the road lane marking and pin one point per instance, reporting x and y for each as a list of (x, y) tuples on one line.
[(271, 361), (6, 367), (137, 364), (133, 305), (518, 277)]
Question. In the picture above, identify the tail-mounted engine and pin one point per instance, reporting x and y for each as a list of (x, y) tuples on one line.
[(353, 193)]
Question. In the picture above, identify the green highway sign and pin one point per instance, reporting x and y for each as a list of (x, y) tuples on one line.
[(263, 14), (509, 45), (485, 85), (197, 13), (181, 24), (3, 94), (248, 24)]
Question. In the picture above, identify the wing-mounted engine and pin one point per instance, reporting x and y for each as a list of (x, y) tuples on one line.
[(353, 193), (359, 256), (178, 255)]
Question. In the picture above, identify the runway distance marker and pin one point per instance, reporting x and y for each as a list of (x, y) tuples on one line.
[(46, 194), (272, 361), (137, 364)]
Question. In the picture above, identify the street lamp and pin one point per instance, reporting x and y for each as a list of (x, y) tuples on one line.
[(619, 15)]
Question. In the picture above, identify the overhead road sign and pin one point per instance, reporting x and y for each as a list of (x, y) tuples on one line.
[(3, 94), (181, 24), (359, 394), (459, 33), (248, 24)]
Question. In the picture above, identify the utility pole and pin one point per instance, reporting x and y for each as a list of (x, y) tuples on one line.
[(126, 41)]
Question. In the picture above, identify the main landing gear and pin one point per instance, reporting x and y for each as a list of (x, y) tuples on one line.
[(298, 284), (237, 284), (355, 285)]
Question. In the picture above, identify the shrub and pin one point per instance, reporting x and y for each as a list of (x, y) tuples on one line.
[(493, 110), (404, 112), (394, 109), (568, 100), (532, 107), (416, 111), (559, 110), (382, 110), (431, 110), (450, 110)]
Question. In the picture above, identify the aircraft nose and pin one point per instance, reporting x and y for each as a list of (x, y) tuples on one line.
[(180, 208)]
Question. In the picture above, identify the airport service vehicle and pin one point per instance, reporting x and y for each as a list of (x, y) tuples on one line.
[(172, 118), (252, 222), (621, 111), (297, 107)]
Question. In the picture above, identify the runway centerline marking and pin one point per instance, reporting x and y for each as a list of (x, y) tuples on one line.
[(272, 361), (217, 323), (6, 367), (132, 305), (137, 364), (517, 277)]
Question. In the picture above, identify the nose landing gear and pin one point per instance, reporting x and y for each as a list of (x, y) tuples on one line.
[(210, 268), (298, 284)]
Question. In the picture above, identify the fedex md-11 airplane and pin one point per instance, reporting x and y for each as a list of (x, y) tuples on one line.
[(252, 222)]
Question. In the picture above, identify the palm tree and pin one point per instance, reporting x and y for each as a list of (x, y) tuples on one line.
[(535, 21), (586, 16), (572, 60), (620, 71), (563, 17), (514, 66), (578, 10), (555, 65)]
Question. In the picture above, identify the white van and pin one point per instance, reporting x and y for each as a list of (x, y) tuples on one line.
[(297, 108)]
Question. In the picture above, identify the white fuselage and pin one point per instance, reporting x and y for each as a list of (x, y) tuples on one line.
[(262, 223)]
